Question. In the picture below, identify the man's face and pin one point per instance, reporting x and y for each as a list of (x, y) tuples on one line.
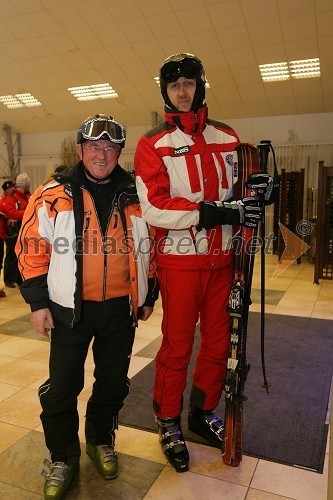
[(99, 157), (181, 93)]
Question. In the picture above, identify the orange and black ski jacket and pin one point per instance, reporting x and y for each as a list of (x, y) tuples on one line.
[(64, 257)]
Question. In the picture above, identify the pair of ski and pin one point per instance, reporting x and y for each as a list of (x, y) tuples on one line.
[(250, 159)]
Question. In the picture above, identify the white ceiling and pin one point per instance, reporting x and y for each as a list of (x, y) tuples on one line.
[(47, 46)]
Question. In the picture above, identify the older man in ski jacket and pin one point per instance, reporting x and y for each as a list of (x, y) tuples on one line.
[(88, 271)]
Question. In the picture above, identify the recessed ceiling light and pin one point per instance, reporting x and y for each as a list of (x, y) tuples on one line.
[(19, 101), (302, 68), (157, 80), (274, 72), (93, 92), (305, 68)]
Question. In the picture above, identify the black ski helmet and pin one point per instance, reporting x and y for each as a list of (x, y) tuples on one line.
[(101, 126), (189, 66)]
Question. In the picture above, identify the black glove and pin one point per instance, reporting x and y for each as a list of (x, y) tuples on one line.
[(244, 212), (265, 186)]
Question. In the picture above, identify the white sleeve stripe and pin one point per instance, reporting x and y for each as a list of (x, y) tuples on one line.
[(168, 219)]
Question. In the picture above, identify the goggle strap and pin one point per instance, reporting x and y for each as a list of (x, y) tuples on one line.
[(96, 138)]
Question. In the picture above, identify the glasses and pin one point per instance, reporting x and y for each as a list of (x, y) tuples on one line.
[(180, 65), (96, 128), (109, 150)]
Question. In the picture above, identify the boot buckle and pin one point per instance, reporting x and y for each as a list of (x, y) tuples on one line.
[(173, 444)]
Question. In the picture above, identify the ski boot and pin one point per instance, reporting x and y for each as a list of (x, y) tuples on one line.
[(105, 459), (58, 478), (207, 425), (172, 443)]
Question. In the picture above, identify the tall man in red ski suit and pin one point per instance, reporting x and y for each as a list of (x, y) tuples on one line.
[(183, 166)]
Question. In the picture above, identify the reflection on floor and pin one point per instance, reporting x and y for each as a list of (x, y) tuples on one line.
[(144, 473)]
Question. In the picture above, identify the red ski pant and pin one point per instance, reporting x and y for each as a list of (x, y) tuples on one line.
[(186, 297)]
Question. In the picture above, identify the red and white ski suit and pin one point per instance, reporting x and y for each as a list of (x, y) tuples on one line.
[(185, 160)]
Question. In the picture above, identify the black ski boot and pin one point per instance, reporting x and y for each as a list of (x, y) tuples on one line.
[(207, 425), (172, 442)]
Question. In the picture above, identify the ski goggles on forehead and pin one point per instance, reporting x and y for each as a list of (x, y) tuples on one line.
[(175, 68), (95, 129)]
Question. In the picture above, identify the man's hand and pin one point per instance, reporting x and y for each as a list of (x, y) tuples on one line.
[(245, 212), (264, 185), (38, 320), (145, 312), (252, 212)]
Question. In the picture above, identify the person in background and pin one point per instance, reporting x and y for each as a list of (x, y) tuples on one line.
[(3, 235), (92, 276), (183, 167), (12, 205), (58, 169)]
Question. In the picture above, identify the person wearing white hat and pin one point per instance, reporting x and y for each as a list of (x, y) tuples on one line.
[(23, 183)]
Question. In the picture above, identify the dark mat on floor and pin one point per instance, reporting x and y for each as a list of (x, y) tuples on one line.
[(288, 426)]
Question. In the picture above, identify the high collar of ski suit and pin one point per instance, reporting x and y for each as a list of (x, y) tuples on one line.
[(190, 122), (121, 181)]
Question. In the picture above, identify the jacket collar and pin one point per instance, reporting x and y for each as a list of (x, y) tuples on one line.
[(120, 181), (189, 122)]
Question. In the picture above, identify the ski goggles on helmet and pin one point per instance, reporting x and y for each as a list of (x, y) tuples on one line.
[(181, 65), (94, 129)]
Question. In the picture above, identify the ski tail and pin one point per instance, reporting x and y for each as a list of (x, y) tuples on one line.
[(232, 451), (247, 157)]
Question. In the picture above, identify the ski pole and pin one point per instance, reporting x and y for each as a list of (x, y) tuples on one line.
[(264, 148)]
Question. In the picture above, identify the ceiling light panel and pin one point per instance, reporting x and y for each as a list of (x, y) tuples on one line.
[(93, 92), (274, 72), (19, 101), (305, 68), (302, 68)]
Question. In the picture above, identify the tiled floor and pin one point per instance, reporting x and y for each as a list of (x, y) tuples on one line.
[(144, 473)]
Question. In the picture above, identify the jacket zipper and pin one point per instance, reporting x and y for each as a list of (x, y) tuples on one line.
[(114, 208), (104, 237), (87, 214), (193, 240), (131, 308)]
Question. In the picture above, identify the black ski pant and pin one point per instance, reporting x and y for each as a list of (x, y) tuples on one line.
[(11, 273), (110, 325), (2, 252)]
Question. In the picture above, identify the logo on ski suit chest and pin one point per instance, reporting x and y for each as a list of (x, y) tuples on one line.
[(68, 190), (181, 150)]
